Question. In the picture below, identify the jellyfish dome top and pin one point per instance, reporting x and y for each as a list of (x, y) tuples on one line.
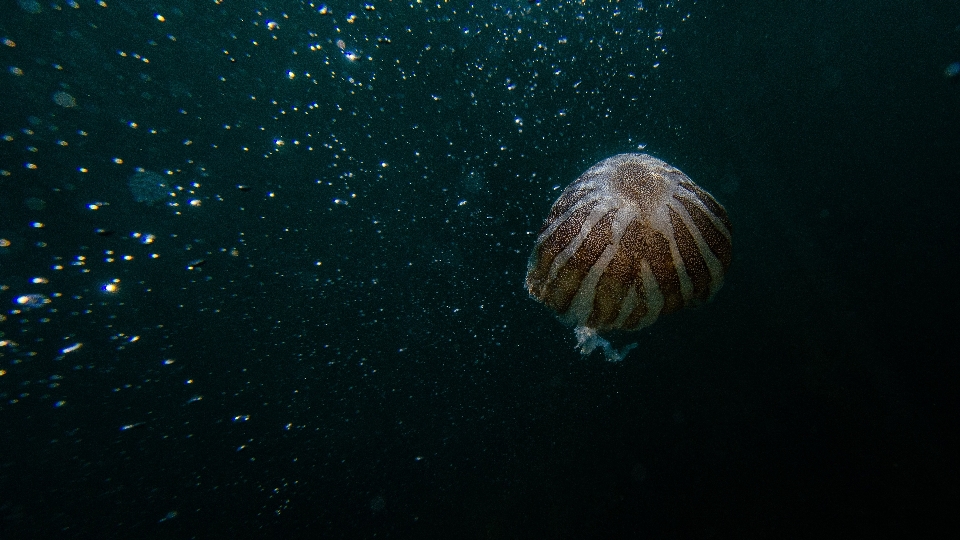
[(631, 239)]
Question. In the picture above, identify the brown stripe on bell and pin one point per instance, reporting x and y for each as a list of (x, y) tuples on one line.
[(630, 239)]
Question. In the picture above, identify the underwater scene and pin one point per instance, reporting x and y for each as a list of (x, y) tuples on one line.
[(512, 269)]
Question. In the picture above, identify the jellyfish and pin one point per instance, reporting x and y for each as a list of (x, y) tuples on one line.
[(631, 239)]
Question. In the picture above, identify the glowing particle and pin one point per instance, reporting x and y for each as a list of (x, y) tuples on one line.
[(30, 301)]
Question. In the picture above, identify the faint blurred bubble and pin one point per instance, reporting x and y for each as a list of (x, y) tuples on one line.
[(170, 515), (473, 181), (34, 203), (30, 6), (952, 70), (148, 187), (64, 99)]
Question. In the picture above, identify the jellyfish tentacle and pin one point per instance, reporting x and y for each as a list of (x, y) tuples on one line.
[(588, 340)]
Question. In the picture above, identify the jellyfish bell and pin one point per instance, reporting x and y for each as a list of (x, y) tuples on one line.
[(631, 239)]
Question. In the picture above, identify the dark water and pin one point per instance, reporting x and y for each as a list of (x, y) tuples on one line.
[(324, 333)]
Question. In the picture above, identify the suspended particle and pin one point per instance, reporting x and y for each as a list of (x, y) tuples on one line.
[(31, 301)]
